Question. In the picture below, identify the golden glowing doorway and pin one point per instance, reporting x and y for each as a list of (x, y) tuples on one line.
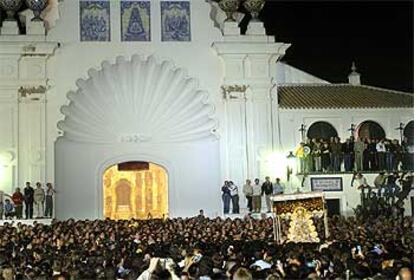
[(139, 190)]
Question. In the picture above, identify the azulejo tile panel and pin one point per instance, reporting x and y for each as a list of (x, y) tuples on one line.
[(175, 21), (135, 21), (95, 20)]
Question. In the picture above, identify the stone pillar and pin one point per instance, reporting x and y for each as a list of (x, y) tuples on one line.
[(247, 124)]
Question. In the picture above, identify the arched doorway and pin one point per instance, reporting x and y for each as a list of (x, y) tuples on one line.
[(409, 132), (322, 130), (135, 190), (370, 130)]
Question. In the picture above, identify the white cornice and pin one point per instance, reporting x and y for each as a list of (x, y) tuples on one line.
[(254, 47), (26, 47)]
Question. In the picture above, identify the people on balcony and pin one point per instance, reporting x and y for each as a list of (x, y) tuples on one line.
[(323, 155)]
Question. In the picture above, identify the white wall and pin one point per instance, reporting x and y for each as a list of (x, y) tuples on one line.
[(193, 183), (74, 58)]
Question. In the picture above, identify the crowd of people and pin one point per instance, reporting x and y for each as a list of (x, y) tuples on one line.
[(36, 200), (203, 248), (323, 155)]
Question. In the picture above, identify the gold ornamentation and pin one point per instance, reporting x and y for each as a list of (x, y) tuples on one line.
[(29, 48), (135, 194), (25, 91), (227, 90), (301, 227)]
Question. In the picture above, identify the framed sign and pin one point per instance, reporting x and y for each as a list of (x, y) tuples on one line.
[(326, 184)]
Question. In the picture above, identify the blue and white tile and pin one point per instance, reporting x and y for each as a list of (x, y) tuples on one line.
[(95, 23), (135, 20), (175, 21)]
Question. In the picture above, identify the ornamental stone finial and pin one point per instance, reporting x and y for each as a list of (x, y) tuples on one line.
[(229, 7), (254, 7)]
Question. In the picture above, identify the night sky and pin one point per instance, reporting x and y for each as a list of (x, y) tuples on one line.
[(326, 36)]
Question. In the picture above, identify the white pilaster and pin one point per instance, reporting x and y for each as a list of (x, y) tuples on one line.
[(249, 68), (23, 96)]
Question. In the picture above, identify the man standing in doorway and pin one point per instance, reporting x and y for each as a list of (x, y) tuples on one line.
[(267, 190), (28, 200)]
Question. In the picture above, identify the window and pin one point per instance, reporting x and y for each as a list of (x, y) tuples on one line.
[(371, 130), (322, 130), (409, 132)]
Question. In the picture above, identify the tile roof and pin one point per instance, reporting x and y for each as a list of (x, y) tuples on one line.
[(325, 96)]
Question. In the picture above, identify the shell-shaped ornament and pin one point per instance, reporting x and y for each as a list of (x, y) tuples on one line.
[(138, 101)]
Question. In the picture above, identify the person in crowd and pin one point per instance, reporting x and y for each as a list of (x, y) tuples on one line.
[(410, 155), (366, 156), (234, 193), (381, 150), (316, 155), (267, 190), (359, 148), (397, 155), (192, 248), (28, 200), (379, 181), (3, 195), (257, 196), (300, 155), (248, 193), (39, 200), (362, 185), (18, 199), (391, 187), (307, 156), (8, 209), (278, 187), (335, 154), (373, 155), (407, 154), (325, 157), (226, 197), (389, 155), (50, 192), (348, 151)]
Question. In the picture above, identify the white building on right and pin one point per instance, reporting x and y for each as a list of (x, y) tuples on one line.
[(309, 108)]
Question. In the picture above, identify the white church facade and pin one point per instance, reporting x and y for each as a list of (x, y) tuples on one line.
[(179, 88)]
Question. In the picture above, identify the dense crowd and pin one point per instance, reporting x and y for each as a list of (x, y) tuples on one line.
[(203, 248), (332, 155)]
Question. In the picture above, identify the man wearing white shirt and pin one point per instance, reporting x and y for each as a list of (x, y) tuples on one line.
[(381, 154), (234, 192)]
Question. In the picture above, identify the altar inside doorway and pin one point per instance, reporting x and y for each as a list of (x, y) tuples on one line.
[(135, 190)]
